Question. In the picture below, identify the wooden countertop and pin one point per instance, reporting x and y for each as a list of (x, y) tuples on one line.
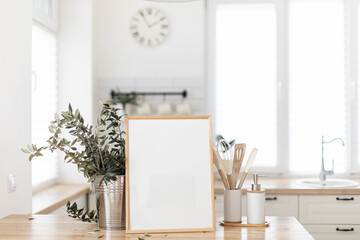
[(290, 186), (56, 227), (49, 199)]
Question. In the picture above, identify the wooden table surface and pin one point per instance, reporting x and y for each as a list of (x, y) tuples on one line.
[(291, 186), (63, 227)]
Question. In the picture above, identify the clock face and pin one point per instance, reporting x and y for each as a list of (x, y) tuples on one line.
[(149, 27)]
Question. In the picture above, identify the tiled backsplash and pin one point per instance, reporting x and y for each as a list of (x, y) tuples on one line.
[(195, 87)]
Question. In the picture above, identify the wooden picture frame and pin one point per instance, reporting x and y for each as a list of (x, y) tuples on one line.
[(169, 174)]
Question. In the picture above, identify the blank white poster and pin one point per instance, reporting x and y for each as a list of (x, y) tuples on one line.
[(169, 174)]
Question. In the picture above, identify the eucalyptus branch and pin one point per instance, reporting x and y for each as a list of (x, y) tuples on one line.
[(86, 216), (101, 155)]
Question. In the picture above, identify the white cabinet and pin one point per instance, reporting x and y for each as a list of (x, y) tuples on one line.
[(330, 216), (324, 216), (333, 232), (329, 209), (281, 205)]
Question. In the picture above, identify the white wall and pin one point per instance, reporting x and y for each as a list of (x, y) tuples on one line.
[(15, 103), (75, 84), (97, 54), (121, 62)]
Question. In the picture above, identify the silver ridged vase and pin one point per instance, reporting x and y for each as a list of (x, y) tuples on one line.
[(110, 203)]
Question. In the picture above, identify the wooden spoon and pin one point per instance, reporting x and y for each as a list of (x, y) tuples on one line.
[(216, 160), (247, 167)]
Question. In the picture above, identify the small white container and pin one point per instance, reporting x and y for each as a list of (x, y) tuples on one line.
[(255, 203), (232, 205), (183, 108), (144, 109)]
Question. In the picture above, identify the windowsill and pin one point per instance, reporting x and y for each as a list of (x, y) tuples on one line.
[(51, 198)]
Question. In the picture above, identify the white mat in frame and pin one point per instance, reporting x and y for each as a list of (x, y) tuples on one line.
[(169, 174)]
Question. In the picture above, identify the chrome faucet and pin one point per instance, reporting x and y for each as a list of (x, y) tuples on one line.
[(324, 172)]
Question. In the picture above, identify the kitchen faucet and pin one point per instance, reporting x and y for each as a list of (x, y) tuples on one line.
[(324, 172)]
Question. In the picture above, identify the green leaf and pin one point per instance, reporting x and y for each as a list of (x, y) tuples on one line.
[(77, 112), (73, 142), (25, 150), (29, 146), (57, 118), (70, 109), (51, 129)]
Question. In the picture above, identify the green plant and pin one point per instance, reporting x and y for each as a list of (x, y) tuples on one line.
[(98, 151), (124, 99), (86, 216)]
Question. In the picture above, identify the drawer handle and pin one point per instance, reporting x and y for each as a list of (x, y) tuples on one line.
[(345, 229), (271, 198), (345, 199)]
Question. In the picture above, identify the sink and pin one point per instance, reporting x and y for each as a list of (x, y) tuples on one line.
[(330, 183)]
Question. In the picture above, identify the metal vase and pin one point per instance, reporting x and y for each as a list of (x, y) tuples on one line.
[(110, 203)]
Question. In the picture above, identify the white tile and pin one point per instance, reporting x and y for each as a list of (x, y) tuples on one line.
[(189, 82)]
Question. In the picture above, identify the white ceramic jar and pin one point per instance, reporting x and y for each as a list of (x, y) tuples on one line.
[(232, 205)]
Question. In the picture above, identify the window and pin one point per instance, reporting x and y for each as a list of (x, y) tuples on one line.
[(317, 83), (44, 81), (46, 13), (246, 97), (282, 81)]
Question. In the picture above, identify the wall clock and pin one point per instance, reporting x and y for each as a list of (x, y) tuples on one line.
[(149, 27)]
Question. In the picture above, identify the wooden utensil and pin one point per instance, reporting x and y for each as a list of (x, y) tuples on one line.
[(216, 160), (231, 180), (239, 154), (247, 167)]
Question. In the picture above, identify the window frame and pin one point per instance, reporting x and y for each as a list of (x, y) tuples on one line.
[(54, 180), (51, 22), (351, 31), (351, 55)]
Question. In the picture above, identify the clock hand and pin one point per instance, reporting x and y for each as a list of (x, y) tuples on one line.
[(147, 23), (155, 23), (158, 21)]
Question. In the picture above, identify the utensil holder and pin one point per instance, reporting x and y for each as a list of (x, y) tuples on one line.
[(232, 205)]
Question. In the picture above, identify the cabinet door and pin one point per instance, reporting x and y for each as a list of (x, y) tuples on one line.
[(275, 205), (329, 209), (281, 205), (338, 232)]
